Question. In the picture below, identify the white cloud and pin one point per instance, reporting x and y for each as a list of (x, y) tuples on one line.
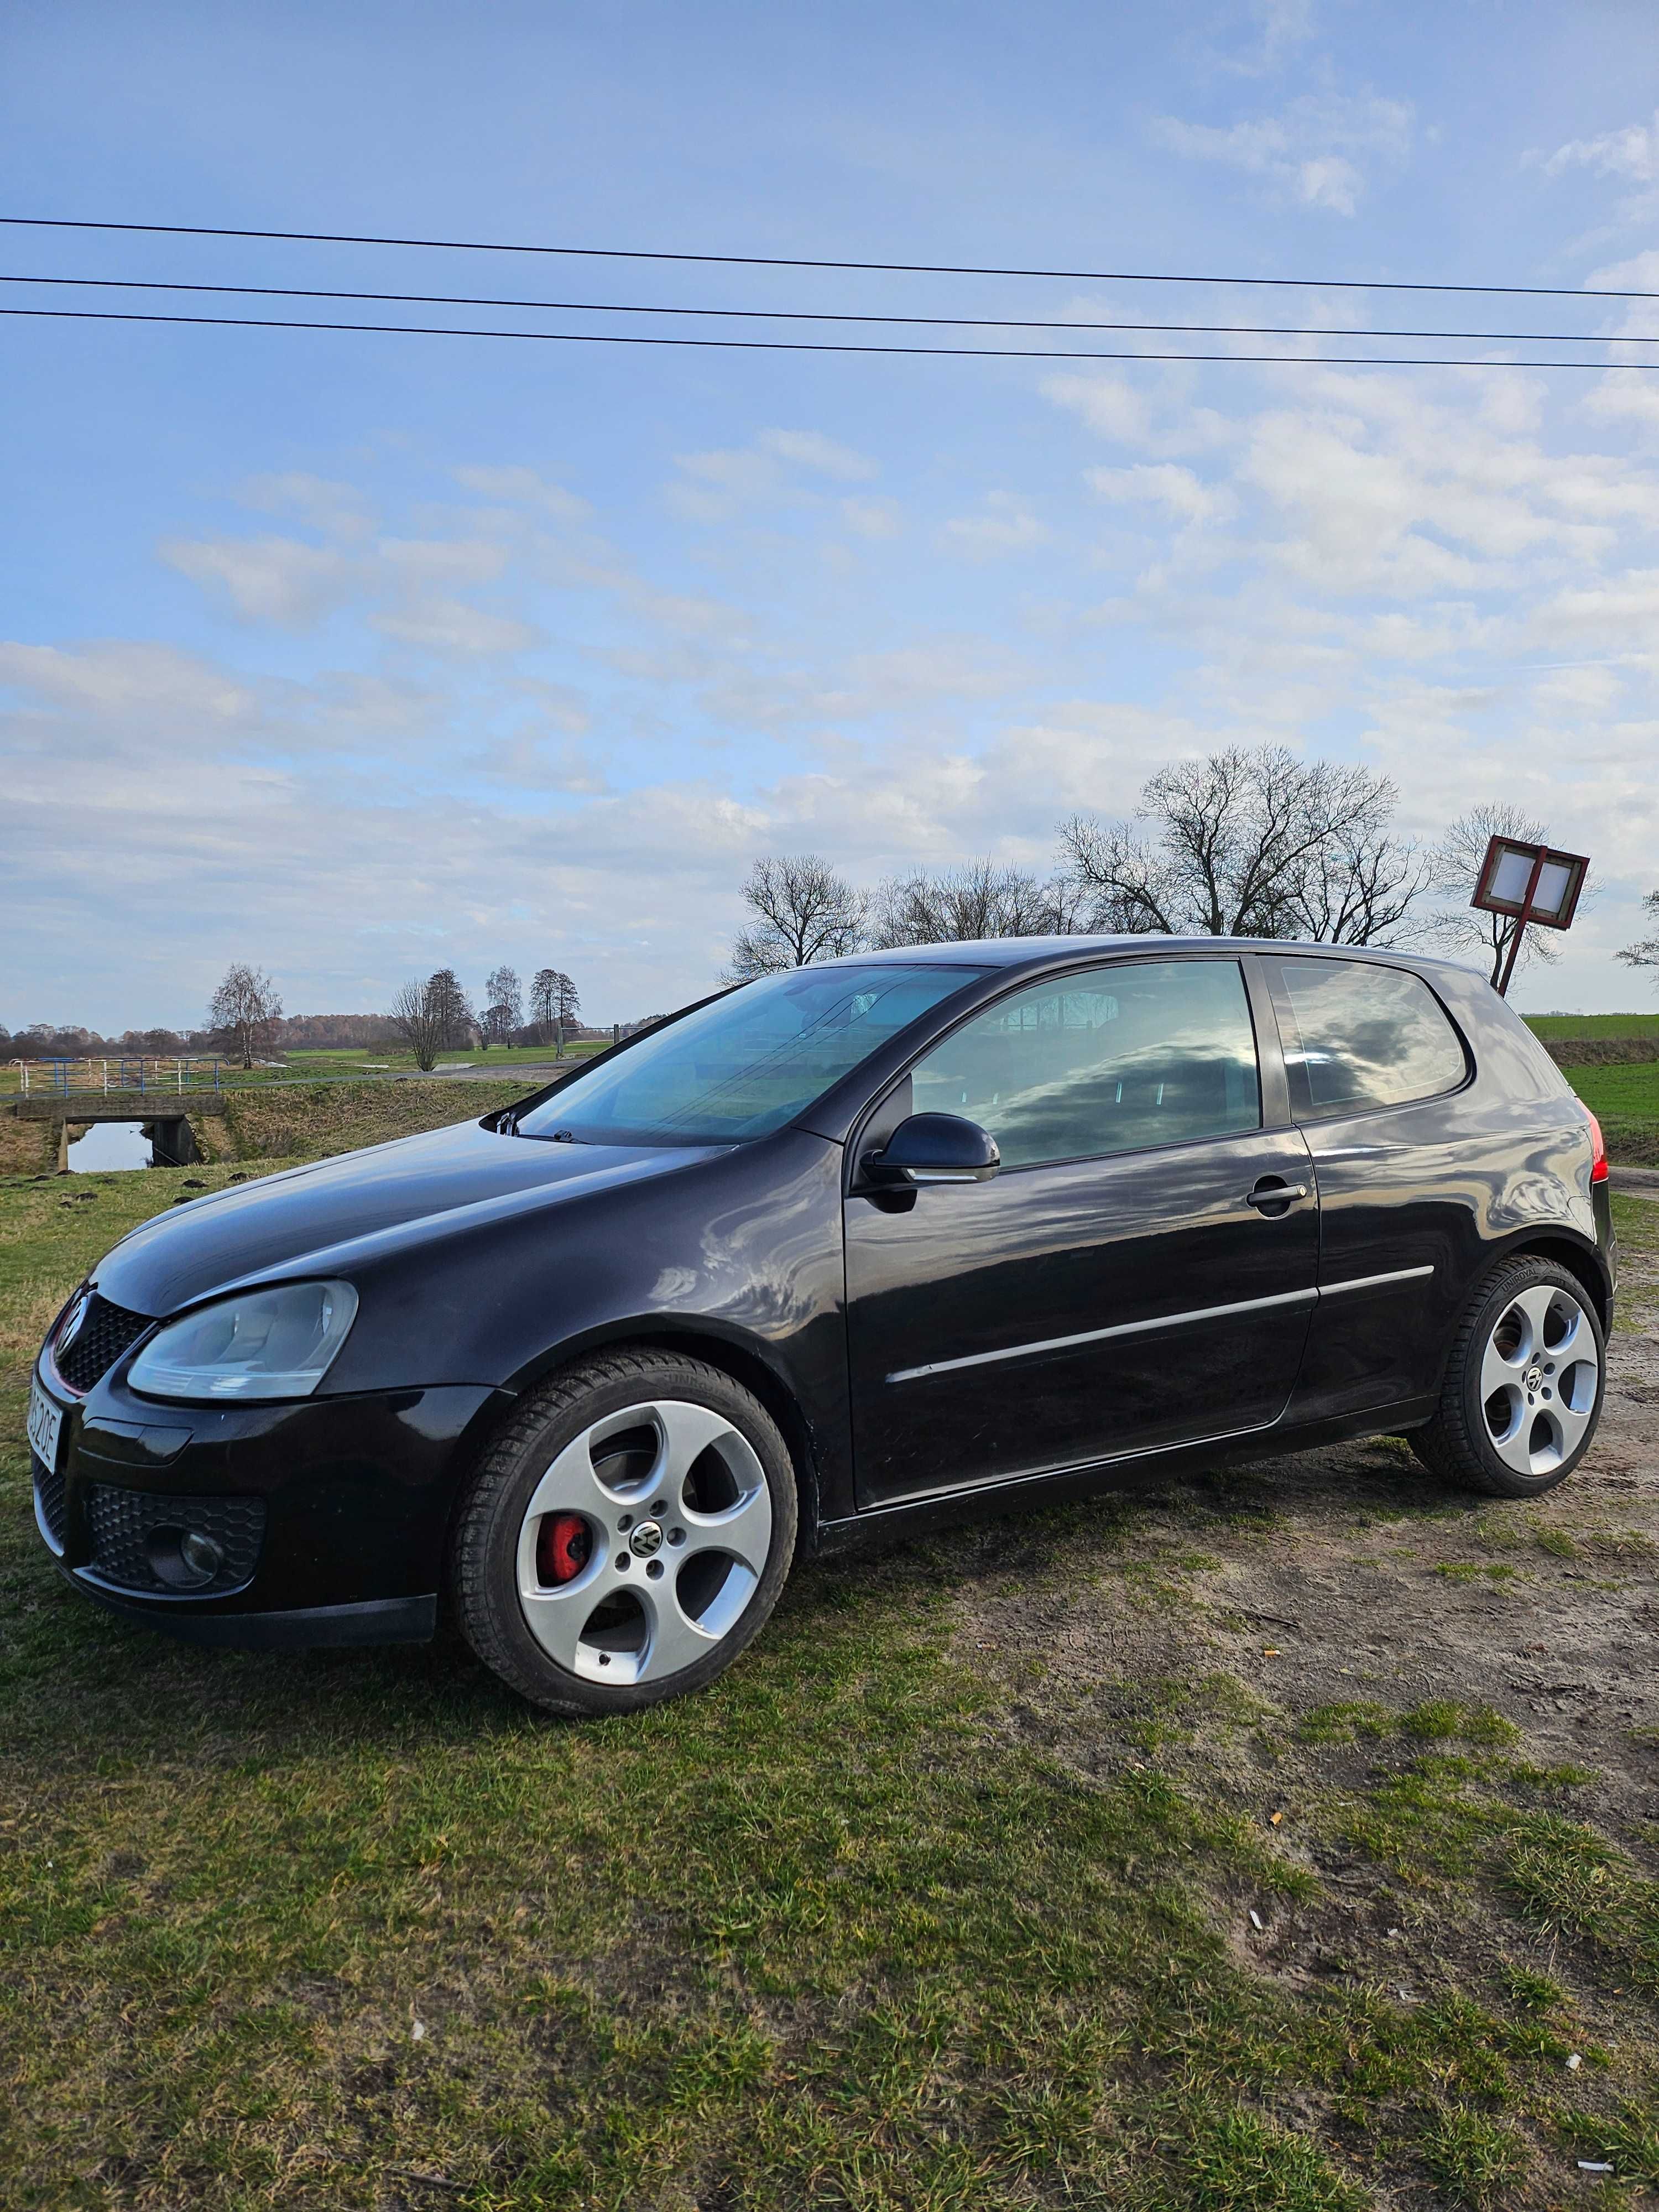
[(1632, 152), (271, 580), (811, 449), (337, 510), (1281, 27), (1007, 524), (523, 487), (1311, 153), (443, 625), (715, 485), (121, 682), (872, 517), (1163, 485)]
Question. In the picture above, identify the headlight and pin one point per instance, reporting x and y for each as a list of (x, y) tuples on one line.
[(277, 1343)]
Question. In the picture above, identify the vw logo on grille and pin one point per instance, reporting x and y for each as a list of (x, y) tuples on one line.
[(71, 1327)]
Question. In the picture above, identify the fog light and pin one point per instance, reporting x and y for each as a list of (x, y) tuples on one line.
[(200, 1555), (182, 1557)]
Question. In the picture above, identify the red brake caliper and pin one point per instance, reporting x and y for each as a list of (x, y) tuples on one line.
[(564, 1544)]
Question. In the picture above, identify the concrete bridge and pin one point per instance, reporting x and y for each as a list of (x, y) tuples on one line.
[(165, 1121)]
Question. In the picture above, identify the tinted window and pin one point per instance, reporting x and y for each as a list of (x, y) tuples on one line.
[(1359, 1036), (746, 1064), (1147, 1053)]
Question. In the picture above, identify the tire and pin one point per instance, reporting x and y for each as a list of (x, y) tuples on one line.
[(569, 1586), (1523, 1386)]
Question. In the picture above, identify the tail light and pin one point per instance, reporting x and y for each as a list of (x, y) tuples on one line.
[(1598, 1150)]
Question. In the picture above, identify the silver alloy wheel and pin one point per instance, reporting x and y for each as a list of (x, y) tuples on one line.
[(679, 1516), (1538, 1378)]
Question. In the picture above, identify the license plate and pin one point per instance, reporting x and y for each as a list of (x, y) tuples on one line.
[(46, 1426)]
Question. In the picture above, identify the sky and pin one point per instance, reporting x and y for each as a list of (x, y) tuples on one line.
[(358, 655)]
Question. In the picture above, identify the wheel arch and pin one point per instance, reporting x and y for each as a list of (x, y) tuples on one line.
[(737, 1358), (1580, 1259)]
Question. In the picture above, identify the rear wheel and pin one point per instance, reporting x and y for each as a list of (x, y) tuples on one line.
[(1523, 1386), (627, 1534)]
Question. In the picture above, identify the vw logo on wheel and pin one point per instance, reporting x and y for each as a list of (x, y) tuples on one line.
[(644, 1541)]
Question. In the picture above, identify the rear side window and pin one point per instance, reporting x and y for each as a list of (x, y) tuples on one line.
[(1104, 1060), (1358, 1036)]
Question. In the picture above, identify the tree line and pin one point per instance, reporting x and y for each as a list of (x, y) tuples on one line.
[(1245, 842), (436, 1015), (245, 1022)]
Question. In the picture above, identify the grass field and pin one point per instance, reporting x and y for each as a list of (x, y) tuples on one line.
[(915, 1910), (333, 1064), (340, 1061), (1621, 1093), (1595, 1025), (1626, 1101)]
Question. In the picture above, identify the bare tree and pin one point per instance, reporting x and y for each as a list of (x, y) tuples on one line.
[(503, 1008), (1358, 886), (803, 910), (245, 1009), (419, 1021), (1454, 869), (976, 901), (1645, 953), (1249, 843)]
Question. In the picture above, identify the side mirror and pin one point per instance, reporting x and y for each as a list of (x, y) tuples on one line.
[(935, 1148)]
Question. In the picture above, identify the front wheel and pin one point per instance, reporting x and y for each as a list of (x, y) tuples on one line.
[(626, 1535), (1523, 1386)]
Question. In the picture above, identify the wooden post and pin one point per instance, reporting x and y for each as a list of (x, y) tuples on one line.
[(1521, 919)]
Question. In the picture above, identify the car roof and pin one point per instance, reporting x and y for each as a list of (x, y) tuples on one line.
[(1035, 951)]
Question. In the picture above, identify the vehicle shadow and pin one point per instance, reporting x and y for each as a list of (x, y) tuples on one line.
[(85, 1680)]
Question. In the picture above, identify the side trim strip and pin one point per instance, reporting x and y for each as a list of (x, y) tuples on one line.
[(1371, 1282), (1098, 1335), (1307, 1297)]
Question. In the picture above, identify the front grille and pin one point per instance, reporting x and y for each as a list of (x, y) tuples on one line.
[(49, 1500), (136, 1535), (106, 1331)]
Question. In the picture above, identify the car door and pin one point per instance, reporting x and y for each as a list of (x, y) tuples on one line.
[(1139, 1274), (1375, 1067)]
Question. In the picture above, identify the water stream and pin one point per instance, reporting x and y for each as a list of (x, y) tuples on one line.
[(108, 1144)]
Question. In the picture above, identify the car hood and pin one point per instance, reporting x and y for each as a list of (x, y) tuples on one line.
[(356, 1206)]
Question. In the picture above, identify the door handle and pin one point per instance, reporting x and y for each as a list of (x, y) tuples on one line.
[(1267, 1194)]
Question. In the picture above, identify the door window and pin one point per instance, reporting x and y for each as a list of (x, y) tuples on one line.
[(1109, 1059), (1357, 1036)]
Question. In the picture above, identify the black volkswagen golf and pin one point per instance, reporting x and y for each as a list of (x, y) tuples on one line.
[(842, 1250)]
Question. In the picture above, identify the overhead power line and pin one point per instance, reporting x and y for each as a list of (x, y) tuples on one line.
[(811, 345), (795, 261), (830, 315)]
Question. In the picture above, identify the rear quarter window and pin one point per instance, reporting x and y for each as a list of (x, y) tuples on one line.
[(1357, 1037)]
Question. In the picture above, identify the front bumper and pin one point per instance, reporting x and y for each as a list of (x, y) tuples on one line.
[(329, 1517)]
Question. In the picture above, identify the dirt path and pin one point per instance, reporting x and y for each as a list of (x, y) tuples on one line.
[(1196, 1629)]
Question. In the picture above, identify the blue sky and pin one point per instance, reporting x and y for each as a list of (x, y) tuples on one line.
[(357, 655)]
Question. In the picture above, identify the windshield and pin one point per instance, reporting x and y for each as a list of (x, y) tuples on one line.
[(743, 1066)]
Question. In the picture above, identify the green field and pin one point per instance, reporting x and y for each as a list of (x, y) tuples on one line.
[(338, 1060), (1592, 1025), (1619, 1093), (1625, 1102), (334, 1063), (858, 1929)]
